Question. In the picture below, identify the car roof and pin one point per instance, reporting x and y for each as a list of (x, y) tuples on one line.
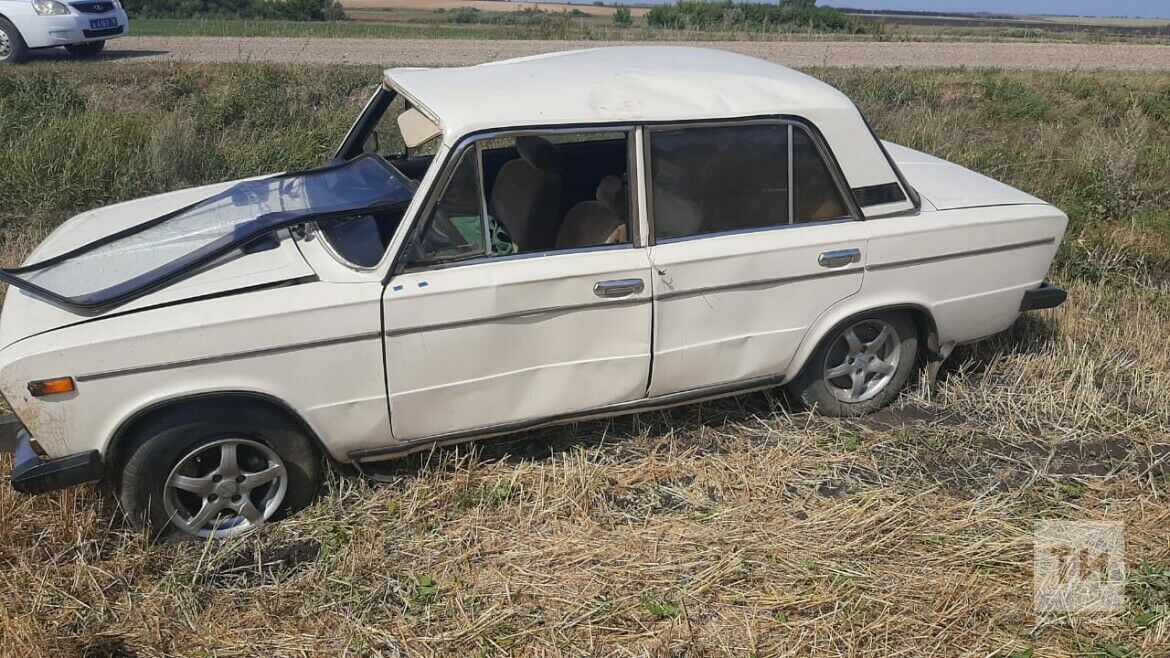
[(642, 84), (617, 84)]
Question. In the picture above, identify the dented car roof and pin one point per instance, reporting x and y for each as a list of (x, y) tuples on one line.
[(638, 84), (627, 83)]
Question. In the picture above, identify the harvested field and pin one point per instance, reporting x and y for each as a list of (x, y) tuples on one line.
[(737, 528), (455, 52), (484, 5)]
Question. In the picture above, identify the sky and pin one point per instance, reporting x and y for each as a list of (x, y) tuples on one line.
[(1143, 8)]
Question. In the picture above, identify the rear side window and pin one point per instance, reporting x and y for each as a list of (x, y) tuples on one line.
[(731, 178), (710, 180), (815, 196)]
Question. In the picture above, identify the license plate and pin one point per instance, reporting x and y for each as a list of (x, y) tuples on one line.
[(103, 23)]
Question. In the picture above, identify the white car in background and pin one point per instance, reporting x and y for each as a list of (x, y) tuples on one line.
[(496, 248), (82, 27)]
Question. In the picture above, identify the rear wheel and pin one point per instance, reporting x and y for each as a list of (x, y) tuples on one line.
[(219, 476), (12, 47), (88, 49), (861, 366)]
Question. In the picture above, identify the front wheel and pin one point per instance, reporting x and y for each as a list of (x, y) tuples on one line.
[(219, 474), (87, 49), (12, 47), (861, 366)]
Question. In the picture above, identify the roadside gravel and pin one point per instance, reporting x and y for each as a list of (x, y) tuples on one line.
[(454, 52)]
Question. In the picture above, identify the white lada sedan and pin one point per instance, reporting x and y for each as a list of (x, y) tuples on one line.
[(496, 248)]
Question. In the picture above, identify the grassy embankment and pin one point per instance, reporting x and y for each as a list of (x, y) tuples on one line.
[(743, 527), (404, 23)]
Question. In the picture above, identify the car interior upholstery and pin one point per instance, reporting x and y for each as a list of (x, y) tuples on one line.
[(527, 193), (599, 221), (592, 176)]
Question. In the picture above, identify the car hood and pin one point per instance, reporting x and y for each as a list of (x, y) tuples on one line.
[(948, 186), (25, 314), (194, 243)]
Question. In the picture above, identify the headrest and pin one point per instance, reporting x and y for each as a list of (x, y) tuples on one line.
[(612, 194), (540, 153)]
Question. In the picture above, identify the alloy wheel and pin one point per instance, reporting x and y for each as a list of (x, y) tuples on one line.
[(862, 362), (5, 45), (225, 487)]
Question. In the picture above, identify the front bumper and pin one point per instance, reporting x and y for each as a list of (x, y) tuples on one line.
[(35, 475), (49, 31), (1046, 296)]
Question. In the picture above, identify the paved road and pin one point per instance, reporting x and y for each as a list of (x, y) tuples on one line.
[(449, 52)]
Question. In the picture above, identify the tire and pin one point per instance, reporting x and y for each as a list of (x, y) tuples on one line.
[(180, 472), (87, 49), (828, 383), (13, 50)]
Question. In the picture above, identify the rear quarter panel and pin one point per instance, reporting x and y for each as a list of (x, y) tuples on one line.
[(968, 268)]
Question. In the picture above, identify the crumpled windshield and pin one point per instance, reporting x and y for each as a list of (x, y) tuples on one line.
[(130, 263)]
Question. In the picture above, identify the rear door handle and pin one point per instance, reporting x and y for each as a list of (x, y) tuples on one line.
[(839, 258), (618, 287)]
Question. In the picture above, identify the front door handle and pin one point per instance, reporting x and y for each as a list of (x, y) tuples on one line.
[(839, 258), (618, 287)]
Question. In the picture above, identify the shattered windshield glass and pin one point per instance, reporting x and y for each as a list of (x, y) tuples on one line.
[(130, 263)]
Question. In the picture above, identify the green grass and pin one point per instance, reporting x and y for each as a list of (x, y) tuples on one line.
[(742, 527), (393, 24), (1096, 145), (226, 27)]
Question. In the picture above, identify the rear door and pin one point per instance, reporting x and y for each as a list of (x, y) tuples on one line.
[(753, 239)]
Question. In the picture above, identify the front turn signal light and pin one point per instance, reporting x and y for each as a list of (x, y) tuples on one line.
[(56, 386)]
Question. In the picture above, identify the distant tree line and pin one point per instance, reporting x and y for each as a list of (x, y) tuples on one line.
[(787, 16), (526, 16), (290, 10)]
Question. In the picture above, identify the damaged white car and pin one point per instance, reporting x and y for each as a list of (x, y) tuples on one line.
[(497, 248)]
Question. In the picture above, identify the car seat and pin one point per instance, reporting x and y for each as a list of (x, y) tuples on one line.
[(526, 195)]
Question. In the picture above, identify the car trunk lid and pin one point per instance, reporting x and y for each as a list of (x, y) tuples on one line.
[(948, 186)]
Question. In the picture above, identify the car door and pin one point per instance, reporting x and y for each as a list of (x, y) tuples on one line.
[(479, 337), (753, 240)]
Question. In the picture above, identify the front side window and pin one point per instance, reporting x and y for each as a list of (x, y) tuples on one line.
[(455, 228), (531, 194), (731, 178)]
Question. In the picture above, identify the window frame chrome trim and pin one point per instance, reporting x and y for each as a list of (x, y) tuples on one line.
[(486, 260), (762, 229), (484, 225)]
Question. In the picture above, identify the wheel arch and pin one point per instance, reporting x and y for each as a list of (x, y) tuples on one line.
[(126, 436), (837, 317)]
